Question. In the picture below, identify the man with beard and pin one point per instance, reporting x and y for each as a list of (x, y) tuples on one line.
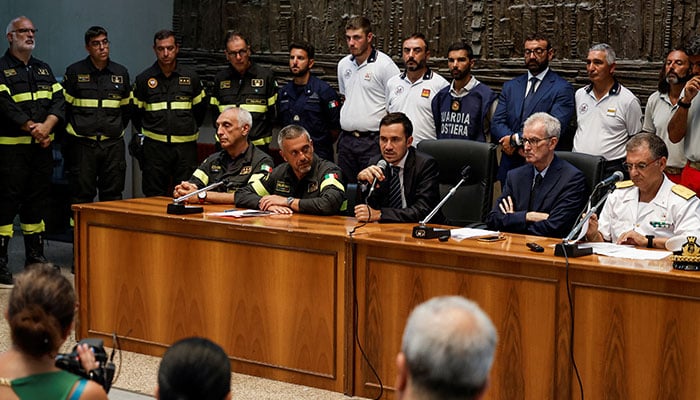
[(540, 90), (362, 79), (305, 183), (310, 102), (608, 113), (685, 121), (247, 85), (649, 209), (463, 109), (673, 76), (412, 91), (545, 196), (31, 105)]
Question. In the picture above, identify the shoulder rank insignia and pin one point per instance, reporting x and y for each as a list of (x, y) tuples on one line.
[(184, 80), (9, 72), (624, 184), (683, 191), (257, 82), (246, 170), (117, 79), (42, 71)]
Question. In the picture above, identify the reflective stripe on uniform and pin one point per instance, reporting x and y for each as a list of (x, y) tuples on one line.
[(6, 230), (259, 188), (199, 97), (272, 100), (255, 177), (30, 229), (261, 141), (334, 182), (71, 130), (173, 138), (93, 103), (20, 139), (202, 176)]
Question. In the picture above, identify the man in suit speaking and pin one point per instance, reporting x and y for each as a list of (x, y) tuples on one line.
[(545, 196)]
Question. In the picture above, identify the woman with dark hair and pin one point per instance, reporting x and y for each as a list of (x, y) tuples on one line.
[(40, 313), (194, 369)]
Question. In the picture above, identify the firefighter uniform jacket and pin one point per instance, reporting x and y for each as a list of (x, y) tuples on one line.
[(255, 91), (97, 101), (169, 109), (252, 165), (27, 92)]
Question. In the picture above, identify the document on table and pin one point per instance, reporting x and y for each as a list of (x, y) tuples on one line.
[(467, 233), (627, 251), (235, 213)]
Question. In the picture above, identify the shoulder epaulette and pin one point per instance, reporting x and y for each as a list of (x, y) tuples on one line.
[(624, 184), (683, 191)]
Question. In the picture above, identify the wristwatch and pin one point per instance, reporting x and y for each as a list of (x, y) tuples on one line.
[(650, 241), (202, 196), (682, 104), (290, 200)]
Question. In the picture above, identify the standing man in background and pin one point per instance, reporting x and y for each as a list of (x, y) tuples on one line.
[(412, 91), (362, 82), (98, 105), (310, 102), (31, 106), (170, 107), (246, 85), (463, 109)]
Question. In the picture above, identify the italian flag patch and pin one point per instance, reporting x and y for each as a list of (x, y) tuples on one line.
[(330, 176)]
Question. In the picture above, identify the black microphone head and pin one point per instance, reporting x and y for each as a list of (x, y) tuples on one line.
[(382, 164), (618, 176), (466, 171)]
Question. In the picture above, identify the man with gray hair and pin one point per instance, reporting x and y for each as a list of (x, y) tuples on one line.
[(447, 351), (545, 196), (607, 113), (305, 183)]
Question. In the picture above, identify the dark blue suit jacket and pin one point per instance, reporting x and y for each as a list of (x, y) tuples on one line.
[(562, 194), (555, 96)]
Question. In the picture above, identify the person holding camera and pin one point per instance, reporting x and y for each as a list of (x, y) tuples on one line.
[(40, 313)]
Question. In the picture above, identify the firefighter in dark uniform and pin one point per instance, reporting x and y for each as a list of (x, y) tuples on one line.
[(310, 102), (170, 105), (304, 184), (246, 85), (237, 164), (31, 105), (98, 103)]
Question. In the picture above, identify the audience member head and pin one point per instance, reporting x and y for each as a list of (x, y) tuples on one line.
[(538, 53), (395, 136), (40, 310), (166, 48), (358, 36), (301, 58), (232, 128), (447, 351), (600, 64), (416, 53), (21, 36), (194, 369), (645, 160), (238, 51), (540, 137), (675, 71), (296, 148), (460, 60)]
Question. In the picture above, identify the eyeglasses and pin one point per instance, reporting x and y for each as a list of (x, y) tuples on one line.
[(239, 53), (535, 141), (26, 30), (98, 43), (538, 52), (640, 166)]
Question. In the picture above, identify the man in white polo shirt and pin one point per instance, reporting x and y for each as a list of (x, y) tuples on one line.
[(362, 79), (412, 91), (607, 112)]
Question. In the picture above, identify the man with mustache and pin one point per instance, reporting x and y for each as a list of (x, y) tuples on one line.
[(412, 91), (31, 105), (362, 80), (674, 74), (607, 112), (685, 121), (305, 183), (463, 109), (540, 90), (310, 102)]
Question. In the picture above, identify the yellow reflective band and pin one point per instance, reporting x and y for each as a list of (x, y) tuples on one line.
[(199, 174), (344, 206), (272, 100), (72, 222), (199, 98), (111, 103), (88, 103), (259, 188), (19, 140), (212, 100), (334, 182), (57, 87), (43, 94), (6, 230), (156, 106), (68, 97), (262, 141), (140, 104), (71, 130), (18, 98), (255, 177), (254, 108), (173, 138), (180, 105), (125, 101), (30, 229), (4, 88)]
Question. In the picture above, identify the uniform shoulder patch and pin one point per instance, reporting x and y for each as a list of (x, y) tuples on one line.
[(683, 191), (624, 184)]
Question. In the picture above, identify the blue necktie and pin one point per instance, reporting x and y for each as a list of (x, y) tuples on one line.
[(395, 188), (533, 191), (530, 94)]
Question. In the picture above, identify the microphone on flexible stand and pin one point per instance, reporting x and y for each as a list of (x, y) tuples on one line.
[(381, 164), (425, 232), (177, 207), (567, 248)]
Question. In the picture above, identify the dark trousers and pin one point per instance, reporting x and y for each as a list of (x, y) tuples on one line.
[(93, 166), (25, 176), (355, 153), (165, 165)]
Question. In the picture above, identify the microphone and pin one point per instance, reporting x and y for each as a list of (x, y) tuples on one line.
[(177, 206), (425, 232), (381, 164), (615, 177)]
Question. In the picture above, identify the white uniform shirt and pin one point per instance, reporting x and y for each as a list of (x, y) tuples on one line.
[(414, 99), (605, 125), (364, 88), (667, 215), (656, 116)]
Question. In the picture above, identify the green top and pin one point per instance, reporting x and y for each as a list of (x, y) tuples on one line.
[(48, 386)]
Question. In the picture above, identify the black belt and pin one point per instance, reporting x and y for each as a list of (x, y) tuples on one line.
[(359, 134)]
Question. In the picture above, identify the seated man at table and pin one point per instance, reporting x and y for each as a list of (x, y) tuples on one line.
[(545, 196), (447, 351), (305, 183), (237, 164), (648, 209), (409, 190)]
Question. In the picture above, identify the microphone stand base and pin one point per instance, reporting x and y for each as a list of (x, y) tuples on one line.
[(181, 209), (426, 232), (572, 250)]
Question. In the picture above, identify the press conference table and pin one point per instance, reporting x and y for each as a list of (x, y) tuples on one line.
[(277, 293)]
